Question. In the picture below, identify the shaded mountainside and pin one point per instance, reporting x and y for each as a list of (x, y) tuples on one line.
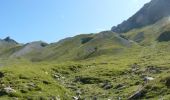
[(149, 14)]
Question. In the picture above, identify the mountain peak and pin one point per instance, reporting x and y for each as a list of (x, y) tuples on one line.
[(149, 14), (8, 39)]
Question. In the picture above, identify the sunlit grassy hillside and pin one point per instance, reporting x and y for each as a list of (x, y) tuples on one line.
[(105, 66)]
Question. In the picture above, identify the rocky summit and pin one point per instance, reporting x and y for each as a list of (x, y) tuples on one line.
[(149, 14)]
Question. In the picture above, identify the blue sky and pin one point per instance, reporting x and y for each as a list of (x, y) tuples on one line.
[(52, 20)]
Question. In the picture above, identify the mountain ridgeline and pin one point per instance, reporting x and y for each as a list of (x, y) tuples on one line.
[(149, 24), (153, 16), (128, 62), (79, 47), (149, 14)]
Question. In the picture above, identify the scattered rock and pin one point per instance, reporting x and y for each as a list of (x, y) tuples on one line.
[(107, 85), (9, 90), (153, 69), (120, 86), (15, 98), (119, 98), (137, 94), (46, 82), (78, 92), (147, 79), (58, 76), (135, 67), (76, 98), (31, 84)]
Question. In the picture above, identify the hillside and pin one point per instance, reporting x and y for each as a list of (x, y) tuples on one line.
[(76, 48), (149, 14), (7, 47), (86, 46), (129, 62), (158, 32)]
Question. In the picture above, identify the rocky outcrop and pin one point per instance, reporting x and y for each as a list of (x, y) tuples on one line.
[(165, 36), (149, 14), (8, 39)]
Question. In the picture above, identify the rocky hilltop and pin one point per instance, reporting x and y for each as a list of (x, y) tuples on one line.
[(149, 14)]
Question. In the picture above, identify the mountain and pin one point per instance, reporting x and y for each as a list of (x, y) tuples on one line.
[(149, 14), (79, 47), (86, 46), (7, 45), (131, 62), (7, 41), (30, 50), (157, 32)]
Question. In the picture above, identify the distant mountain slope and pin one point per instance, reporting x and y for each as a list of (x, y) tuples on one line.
[(158, 32), (30, 50), (7, 46), (149, 14), (86, 46), (74, 48), (149, 25), (133, 65), (7, 42)]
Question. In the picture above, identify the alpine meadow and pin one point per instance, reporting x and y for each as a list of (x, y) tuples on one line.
[(131, 61)]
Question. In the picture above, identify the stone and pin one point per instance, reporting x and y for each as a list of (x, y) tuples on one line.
[(9, 90), (119, 86), (107, 86)]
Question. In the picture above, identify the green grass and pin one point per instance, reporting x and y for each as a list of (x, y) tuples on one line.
[(32, 81), (100, 67), (64, 79)]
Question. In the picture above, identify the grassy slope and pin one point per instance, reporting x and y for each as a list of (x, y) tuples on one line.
[(73, 48), (89, 76), (151, 32), (31, 81), (106, 76)]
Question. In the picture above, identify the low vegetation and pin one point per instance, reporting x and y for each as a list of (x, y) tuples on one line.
[(137, 73)]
